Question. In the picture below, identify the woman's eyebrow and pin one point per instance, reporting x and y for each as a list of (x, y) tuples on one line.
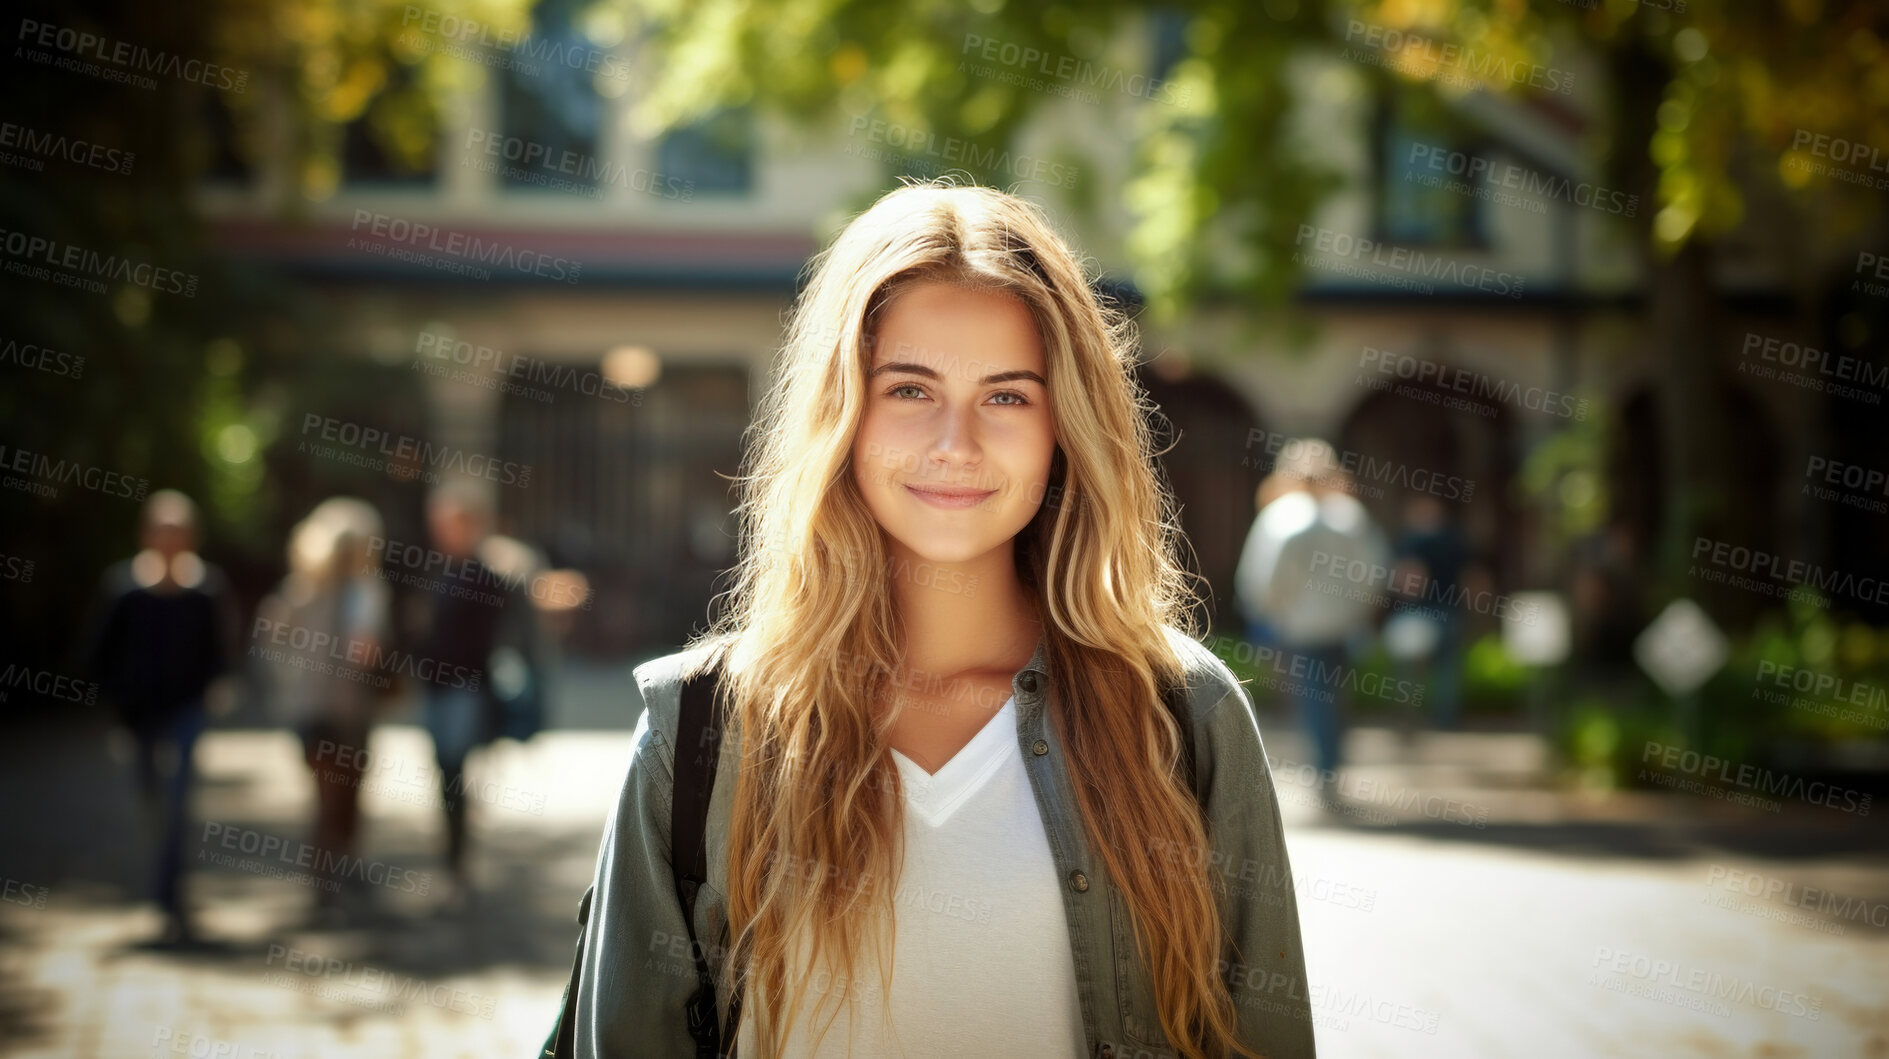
[(921, 370)]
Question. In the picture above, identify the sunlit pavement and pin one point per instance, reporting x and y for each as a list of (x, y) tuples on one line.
[(1451, 907)]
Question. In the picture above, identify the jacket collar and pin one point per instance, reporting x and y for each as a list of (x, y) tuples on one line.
[(1039, 661)]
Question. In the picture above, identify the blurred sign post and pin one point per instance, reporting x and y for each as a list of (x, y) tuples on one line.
[(1681, 650), (1535, 634)]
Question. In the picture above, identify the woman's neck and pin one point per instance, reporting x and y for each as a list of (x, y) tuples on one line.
[(962, 616)]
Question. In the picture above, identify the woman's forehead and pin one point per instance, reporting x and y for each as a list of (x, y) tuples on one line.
[(958, 330)]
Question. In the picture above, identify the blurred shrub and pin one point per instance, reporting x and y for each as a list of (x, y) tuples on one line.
[(1745, 713)]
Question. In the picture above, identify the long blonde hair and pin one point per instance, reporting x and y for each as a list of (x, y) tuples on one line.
[(813, 643)]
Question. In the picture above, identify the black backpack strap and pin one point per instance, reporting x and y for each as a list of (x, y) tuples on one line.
[(699, 728), (697, 752), (562, 1042)]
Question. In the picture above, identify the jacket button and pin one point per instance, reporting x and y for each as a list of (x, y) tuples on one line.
[(1027, 681), (1039, 748), (1079, 881)]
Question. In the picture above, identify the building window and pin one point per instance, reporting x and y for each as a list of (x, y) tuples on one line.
[(395, 141), (1415, 206), (223, 161), (552, 109), (714, 155)]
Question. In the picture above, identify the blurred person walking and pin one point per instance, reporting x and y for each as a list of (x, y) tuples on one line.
[(1307, 581), (163, 632), (1428, 559), (473, 622), (334, 592)]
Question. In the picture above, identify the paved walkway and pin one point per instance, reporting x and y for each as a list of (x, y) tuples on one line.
[(1656, 925)]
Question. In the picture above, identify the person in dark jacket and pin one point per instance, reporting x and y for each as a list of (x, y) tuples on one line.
[(480, 610), (163, 631), (1431, 555)]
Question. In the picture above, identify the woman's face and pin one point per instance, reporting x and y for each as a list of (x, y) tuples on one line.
[(953, 453)]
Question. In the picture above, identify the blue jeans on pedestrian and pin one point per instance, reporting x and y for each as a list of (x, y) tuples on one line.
[(180, 731), (456, 719), (1315, 700), (1446, 673)]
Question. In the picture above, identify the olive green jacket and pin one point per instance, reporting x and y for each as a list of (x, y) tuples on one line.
[(638, 970)]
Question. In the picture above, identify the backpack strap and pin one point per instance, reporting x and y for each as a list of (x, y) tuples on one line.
[(699, 728), (561, 1044), (697, 752)]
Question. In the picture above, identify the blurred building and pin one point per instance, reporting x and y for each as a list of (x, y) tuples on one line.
[(551, 247)]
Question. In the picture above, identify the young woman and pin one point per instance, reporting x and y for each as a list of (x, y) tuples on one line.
[(953, 814)]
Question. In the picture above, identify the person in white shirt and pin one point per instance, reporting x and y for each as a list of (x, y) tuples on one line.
[(1310, 578)]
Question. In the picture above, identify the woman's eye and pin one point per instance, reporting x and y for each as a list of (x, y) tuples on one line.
[(898, 391), (1020, 399)]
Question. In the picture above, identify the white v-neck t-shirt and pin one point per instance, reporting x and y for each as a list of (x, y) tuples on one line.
[(981, 963)]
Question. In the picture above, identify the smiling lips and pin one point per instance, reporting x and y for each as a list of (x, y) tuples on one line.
[(950, 496)]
